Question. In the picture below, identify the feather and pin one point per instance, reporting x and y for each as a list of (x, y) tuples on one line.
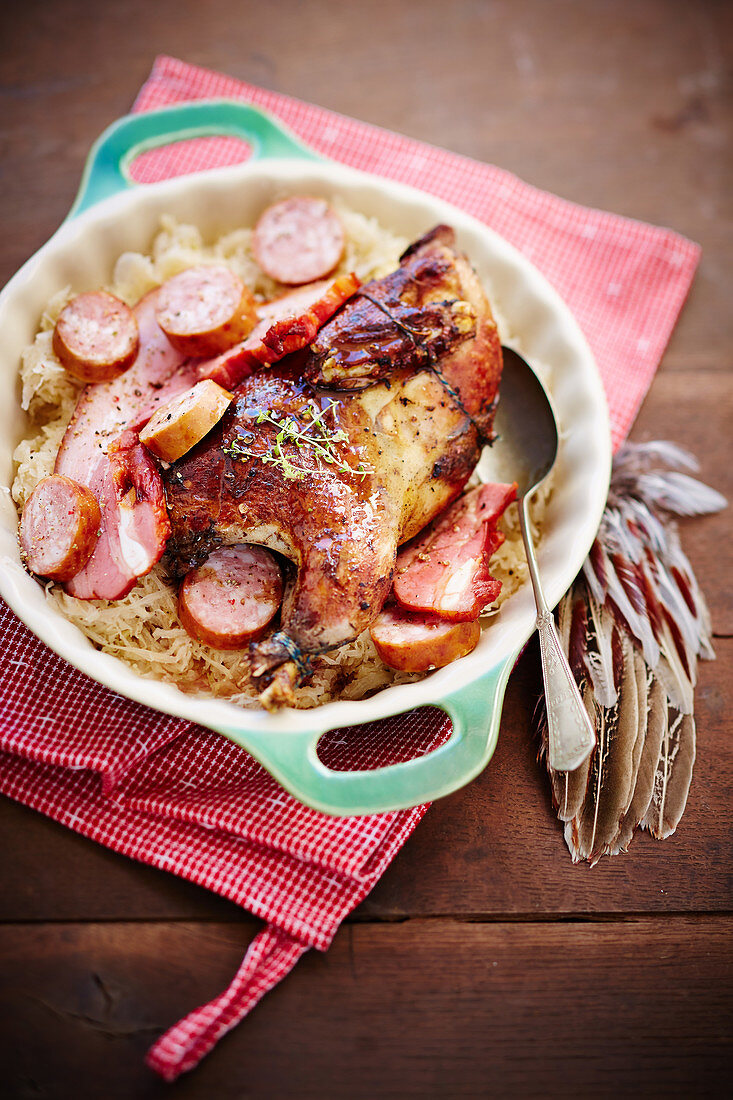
[(610, 785), (640, 727), (672, 777), (635, 458), (652, 724), (636, 473), (599, 658), (671, 673), (624, 591), (634, 626), (679, 494)]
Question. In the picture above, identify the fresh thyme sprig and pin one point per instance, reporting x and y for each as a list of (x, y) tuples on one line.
[(314, 436)]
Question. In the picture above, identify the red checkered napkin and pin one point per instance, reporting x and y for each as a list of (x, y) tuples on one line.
[(181, 798)]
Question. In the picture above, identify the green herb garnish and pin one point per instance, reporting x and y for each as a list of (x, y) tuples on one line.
[(306, 432)]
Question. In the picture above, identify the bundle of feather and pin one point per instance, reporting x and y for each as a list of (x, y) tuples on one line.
[(633, 627)]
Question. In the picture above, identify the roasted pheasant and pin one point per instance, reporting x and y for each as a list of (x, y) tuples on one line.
[(336, 457)]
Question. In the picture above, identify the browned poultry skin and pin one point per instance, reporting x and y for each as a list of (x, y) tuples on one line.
[(431, 312), (410, 447)]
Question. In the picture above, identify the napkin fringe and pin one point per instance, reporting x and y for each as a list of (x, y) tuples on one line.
[(269, 958)]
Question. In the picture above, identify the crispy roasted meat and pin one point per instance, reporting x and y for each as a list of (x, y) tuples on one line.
[(335, 476), (431, 312)]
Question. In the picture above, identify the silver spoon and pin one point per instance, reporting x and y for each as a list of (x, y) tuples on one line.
[(525, 452)]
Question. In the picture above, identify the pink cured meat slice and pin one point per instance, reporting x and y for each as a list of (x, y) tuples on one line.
[(231, 599), (135, 525), (445, 570), (298, 240), (96, 337), (412, 642), (205, 310), (59, 527), (122, 476)]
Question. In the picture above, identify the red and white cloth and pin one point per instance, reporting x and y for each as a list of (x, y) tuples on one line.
[(186, 800)]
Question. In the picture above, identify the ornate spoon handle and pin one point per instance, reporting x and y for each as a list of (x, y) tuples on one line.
[(571, 736)]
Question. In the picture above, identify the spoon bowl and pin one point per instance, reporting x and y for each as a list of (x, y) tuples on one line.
[(525, 425)]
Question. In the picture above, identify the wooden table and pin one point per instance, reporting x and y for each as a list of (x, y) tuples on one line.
[(484, 963)]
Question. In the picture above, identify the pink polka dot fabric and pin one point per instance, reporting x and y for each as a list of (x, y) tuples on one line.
[(186, 800)]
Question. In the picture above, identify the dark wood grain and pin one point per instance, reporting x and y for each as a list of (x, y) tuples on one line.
[(483, 963), (421, 1009)]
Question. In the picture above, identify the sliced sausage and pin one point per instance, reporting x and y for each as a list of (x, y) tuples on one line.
[(286, 325), (206, 310), (298, 240), (416, 643), (230, 599), (134, 527), (173, 430), (96, 337), (59, 527)]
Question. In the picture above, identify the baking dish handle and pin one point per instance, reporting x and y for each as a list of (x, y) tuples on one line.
[(475, 711), (107, 169)]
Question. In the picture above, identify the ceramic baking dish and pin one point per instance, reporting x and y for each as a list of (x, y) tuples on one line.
[(112, 215)]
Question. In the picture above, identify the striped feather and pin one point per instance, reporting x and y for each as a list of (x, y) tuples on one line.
[(672, 777), (652, 723), (610, 786)]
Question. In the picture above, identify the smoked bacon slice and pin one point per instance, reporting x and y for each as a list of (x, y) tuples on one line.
[(445, 570)]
